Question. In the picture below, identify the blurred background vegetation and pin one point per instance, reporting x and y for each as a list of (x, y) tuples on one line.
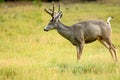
[(101, 1), (39, 2)]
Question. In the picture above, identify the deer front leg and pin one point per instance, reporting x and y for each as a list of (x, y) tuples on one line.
[(79, 51)]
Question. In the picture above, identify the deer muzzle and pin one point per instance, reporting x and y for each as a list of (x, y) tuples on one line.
[(45, 30)]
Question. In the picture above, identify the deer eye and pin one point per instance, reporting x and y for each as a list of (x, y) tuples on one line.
[(50, 22)]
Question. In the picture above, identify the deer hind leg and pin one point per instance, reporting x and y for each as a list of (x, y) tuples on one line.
[(107, 43), (112, 48), (107, 46), (115, 51)]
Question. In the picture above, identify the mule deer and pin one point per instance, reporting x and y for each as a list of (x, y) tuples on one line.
[(83, 32)]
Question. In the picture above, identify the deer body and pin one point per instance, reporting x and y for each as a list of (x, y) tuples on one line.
[(87, 31), (83, 32)]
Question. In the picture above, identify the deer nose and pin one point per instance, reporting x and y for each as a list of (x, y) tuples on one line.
[(45, 30)]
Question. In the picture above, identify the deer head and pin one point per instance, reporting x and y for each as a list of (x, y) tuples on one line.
[(55, 18)]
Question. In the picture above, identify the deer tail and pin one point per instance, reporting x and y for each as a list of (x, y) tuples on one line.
[(108, 20)]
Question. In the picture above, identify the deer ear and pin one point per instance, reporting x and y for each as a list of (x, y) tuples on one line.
[(58, 16), (61, 15)]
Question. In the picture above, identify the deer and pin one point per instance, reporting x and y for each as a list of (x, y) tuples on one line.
[(82, 33)]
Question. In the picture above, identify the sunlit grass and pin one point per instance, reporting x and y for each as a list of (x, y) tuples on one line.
[(29, 53)]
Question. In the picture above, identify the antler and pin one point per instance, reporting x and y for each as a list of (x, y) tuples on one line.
[(52, 10), (59, 7), (47, 11)]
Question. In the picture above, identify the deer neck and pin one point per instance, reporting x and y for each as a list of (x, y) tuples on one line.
[(63, 30)]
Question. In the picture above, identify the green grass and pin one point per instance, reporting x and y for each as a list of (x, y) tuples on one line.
[(29, 53)]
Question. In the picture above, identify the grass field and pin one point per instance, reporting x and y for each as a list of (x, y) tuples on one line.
[(29, 53)]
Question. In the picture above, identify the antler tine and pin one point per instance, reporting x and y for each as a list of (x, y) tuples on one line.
[(59, 7), (53, 9), (48, 11)]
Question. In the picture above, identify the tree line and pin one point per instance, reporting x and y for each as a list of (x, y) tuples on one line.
[(43, 0)]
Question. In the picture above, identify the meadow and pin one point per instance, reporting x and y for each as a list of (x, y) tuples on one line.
[(29, 53)]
